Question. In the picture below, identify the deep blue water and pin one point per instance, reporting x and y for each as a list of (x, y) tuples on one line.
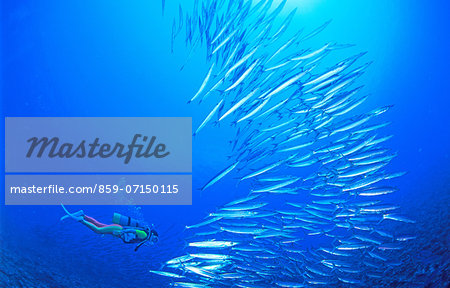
[(81, 58)]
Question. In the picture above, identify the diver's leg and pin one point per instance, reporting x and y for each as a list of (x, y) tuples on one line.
[(106, 229), (91, 223), (94, 221)]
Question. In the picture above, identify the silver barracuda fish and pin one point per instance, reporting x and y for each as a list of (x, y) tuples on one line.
[(312, 210)]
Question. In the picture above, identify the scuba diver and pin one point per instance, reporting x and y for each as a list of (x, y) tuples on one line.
[(123, 227)]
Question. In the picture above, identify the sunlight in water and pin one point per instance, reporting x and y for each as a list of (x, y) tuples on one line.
[(303, 6)]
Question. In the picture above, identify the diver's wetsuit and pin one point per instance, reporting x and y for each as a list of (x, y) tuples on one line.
[(127, 234), (124, 227)]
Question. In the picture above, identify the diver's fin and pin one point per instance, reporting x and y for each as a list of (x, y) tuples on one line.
[(77, 216), (64, 217)]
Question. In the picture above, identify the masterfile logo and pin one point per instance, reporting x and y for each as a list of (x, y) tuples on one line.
[(53, 148), (66, 144)]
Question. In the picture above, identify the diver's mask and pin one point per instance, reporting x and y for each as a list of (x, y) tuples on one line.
[(154, 237)]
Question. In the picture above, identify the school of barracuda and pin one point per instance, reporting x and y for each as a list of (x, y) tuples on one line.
[(316, 168)]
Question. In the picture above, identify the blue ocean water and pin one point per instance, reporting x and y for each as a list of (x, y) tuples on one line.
[(114, 59)]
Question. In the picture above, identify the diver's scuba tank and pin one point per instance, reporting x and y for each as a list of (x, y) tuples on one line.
[(125, 220), (129, 223)]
